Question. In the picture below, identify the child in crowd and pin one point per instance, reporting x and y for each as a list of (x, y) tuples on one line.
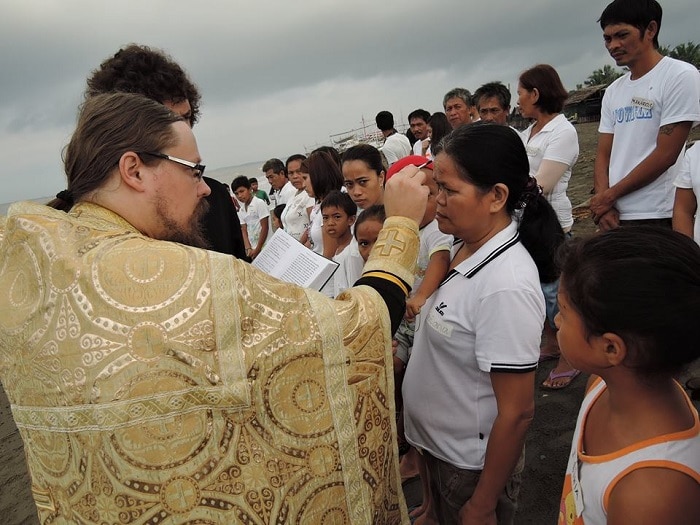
[(235, 201), (367, 228), (260, 194), (431, 269), (254, 216), (687, 221), (629, 308), (321, 175), (338, 212), (277, 217), (433, 260)]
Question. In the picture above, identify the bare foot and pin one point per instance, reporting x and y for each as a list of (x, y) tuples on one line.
[(550, 347), (561, 375), (408, 466)]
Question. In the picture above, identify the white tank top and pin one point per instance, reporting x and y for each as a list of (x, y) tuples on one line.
[(590, 479)]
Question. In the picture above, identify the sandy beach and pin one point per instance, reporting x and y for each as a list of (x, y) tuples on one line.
[(548, 441)]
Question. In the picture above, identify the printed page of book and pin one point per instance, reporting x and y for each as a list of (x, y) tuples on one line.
[(287, 259)]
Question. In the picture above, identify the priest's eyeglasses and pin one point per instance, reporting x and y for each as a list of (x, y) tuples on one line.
[(197, 169)]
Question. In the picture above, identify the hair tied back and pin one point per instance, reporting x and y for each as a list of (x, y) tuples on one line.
[(530, 193), (66, 196)]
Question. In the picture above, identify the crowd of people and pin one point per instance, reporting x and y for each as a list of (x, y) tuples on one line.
[(156, 379)]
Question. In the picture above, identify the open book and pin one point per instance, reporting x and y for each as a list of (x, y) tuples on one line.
[(287, 259)]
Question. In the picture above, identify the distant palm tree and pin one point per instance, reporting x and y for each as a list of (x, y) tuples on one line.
[(605, 75), (688, 52), (664, 50)]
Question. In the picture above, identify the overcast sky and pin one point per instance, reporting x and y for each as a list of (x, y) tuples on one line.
[(279, 76)]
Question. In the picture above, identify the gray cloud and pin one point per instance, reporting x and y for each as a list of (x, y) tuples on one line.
[(280, 76)]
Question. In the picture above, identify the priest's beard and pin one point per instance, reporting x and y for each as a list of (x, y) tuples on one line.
[(192, 233)]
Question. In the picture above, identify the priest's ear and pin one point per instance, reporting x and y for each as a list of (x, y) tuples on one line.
[(131, 170)]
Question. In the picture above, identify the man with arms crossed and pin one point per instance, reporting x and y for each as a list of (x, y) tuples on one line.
[(645, 120)]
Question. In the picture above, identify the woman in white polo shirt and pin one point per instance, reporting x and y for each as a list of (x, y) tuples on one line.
[(469, 385)]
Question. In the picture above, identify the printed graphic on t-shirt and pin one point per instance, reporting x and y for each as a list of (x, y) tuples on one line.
[(438, 324), (631, 113), (642, 102), (567, 507)]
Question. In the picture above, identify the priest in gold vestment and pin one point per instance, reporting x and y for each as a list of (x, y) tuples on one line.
[(154, 382)]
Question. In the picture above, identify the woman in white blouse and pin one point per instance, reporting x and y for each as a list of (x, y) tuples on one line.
[(295, 217), (552, 148)]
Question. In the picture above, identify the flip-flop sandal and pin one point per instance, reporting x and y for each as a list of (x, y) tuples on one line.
[(570, 376)]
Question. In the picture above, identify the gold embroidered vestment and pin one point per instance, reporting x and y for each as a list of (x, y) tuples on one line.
[(158, 383)]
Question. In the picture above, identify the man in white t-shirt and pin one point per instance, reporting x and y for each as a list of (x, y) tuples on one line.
[(645, 120), (254, 216), (281, 190), (396, 146), (418, 122)]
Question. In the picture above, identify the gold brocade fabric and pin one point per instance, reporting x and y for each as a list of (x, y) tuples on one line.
[(394, 251), (158, 383)]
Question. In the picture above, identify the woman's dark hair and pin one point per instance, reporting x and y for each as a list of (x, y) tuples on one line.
[(643, 284), (439, 126), (545, 79), (375, 212), (331, 151), (108, 126), (324, 173), (292, 158), (278, 212), (367, 154), (486, 154)]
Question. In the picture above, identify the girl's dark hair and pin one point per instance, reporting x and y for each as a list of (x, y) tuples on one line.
[(367, 154), (341, 200), (324, 173), (643, 284), (486, 154), (375, 212), (545, 79), (440, 127), (108, 126), (278, 212)]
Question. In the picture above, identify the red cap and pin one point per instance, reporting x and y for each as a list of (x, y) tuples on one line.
[(415, 160)]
